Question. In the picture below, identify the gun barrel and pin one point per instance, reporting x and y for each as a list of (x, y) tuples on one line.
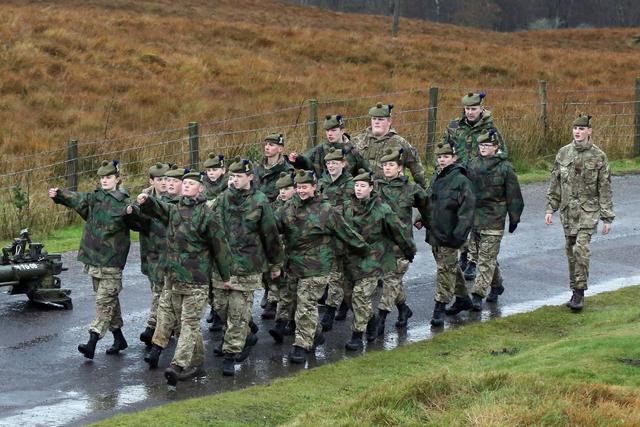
[(15, 272)]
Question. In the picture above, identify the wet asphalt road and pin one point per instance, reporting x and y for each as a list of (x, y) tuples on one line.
[(45, 381)]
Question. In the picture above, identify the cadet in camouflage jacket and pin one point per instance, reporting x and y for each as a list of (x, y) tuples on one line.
[(337, 192), (213, 188), (402, 195)]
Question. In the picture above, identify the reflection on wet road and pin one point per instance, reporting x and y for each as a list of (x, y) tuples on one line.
[(45, 381)]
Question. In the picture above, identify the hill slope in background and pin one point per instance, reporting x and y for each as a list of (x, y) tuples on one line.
[(101, 69)]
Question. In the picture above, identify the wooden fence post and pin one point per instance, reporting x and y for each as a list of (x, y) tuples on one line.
[(72, 165), (194, 146), (396, 18), (542, 91), (432, 123), (636, 145), (313, 122)]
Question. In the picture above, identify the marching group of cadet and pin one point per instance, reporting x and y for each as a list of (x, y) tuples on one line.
[(329, 226)]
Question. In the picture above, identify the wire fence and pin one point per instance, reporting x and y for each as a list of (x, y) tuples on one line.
[(534, 121)]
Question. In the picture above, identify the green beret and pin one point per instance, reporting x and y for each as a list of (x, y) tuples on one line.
[(488, 136), (381, 110), (391, 155), (241, 166), (195, 175), (285, 180), (364, 175), (472, 99), (158, 170), (175, 172), (305, 177), (214, 162), (334, 154), (332, 122), (582, 121), (275, 138), (109, 168), (445, 149)]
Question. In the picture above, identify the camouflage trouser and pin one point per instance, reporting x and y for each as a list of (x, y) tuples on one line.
[(362, 302), (393, 288), (107, 284), (335, 292), (168, 318), (578, 253), (273, 287), (191, 300), (485, 246), (309, 291), (449, 278), (235, 309), (156, 290), (287, 298)]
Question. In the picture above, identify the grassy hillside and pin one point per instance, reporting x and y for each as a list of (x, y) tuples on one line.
[(100, 69)]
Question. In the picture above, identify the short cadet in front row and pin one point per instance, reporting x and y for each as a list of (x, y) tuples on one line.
[(381, 228), (195, 243), (580, 187), (497, 191), (103, 250), (309, 224)]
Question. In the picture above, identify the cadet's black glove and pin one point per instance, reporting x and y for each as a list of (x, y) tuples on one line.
[(512, 227)]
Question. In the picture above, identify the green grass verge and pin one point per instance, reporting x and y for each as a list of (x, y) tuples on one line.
[(547, 367)]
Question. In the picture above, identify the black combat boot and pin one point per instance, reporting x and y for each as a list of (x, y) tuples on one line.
[(577, 302), (246, 351), (269, 311), (277, 332), (89, 349), (297, 355), (263, 301), (404, 313), (460, 304), (211, 316), (341, 314), (382, 318), (119, 343), (372, 328), (464, 259), (172, 373), (229, 365), (327, 318), (253, 327), (317, 341), (470, 271), (153, 357), (217, 350), (476, 301), (438, 314), (355, 343), (190, 372), (217, 324), (290, 328), (147, 335), (495, 292)]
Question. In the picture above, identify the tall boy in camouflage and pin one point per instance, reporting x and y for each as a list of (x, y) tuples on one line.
[(309, 224), (375, 140), (195, 244), (337, 138), (382, 230), (337, 188), (402, 195), (497, 192), (451, 206), (580, 187), (103, 250), (247, 219)]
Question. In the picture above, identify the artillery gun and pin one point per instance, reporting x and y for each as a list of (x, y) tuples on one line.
[(26, 268)]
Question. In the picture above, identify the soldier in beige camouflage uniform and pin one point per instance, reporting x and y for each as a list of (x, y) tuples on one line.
[(580, 187)]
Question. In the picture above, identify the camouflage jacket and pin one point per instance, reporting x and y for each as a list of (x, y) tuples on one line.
[(402, 195), (314, 158), (373, 149), (153, 235), (195, 240), (308, 227), (466, 134), (213, 188), (267, 176), (381, 228), (248, 221), (105, 240), (451, 206), (497, 191), (580, 187), (337, 192)]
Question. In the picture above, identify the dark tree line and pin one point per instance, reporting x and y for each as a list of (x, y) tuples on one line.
[(501, 15)]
